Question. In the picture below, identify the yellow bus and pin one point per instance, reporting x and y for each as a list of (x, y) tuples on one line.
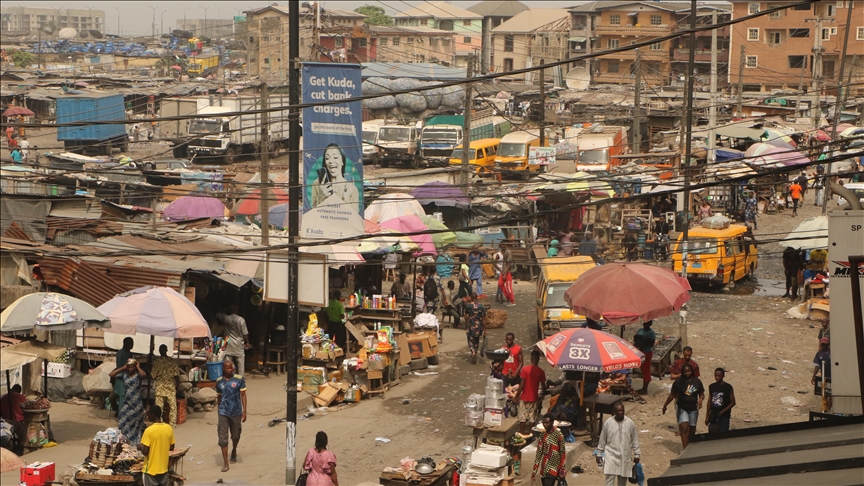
[(481, 156)]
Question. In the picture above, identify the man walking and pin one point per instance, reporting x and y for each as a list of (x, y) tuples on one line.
[(619, 444), (475, 270), (795, 190), (529, 399), (237, 336), (675, 369), (644, 341), (514, 362), (231, 402), (550, 459), (722, 399), (156, 444), (166, 375), (505, 282)]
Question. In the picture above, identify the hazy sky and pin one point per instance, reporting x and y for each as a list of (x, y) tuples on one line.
[(136, 16)]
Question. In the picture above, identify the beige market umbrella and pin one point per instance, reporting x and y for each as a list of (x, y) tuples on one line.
[(9, 461)]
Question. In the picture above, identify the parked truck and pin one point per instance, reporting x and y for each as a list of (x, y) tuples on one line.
[(216, 132), (441, 134), (399, 144), (176, 132), (598, 147), (89, 108), (198, 65), (370, 140)]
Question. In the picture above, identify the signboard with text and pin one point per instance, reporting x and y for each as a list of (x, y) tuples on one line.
[(541, 155)]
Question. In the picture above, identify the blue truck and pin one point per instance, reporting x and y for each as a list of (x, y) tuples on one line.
[(441, 134), (89, 108)]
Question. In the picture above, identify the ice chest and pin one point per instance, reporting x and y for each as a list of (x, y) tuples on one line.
[(489, 457), (37, 474)]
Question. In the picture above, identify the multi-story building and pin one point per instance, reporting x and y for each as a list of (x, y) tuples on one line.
[(532, 37), (393, 43), (495, 13), (26, 19), (467, 25), (780, 49), (210, 28), (606, 25), (266, 37)]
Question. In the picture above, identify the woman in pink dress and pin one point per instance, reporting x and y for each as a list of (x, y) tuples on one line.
[(320, 464)]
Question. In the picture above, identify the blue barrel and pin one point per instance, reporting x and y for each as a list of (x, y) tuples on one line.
[(214, 370)]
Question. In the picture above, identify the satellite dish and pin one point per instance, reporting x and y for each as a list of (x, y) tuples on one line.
[(578, 78), (67, 33)]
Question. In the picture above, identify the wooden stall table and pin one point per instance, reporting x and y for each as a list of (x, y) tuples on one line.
[(440, 477), (662, 358), (38, 417), (499, 433), (599, 404)]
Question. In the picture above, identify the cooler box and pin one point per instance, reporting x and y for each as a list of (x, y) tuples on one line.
[(37, 474), (488, 457), (214, 371)]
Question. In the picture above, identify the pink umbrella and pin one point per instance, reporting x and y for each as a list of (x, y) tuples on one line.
[(757, 149), (157, 311), (412, 224), (187, 208), (786, 157), (17, 111)]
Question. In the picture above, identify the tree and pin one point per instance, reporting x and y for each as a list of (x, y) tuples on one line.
[(21, 58), (375, 15)]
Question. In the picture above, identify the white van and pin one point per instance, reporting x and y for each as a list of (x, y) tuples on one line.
[(370, 140)]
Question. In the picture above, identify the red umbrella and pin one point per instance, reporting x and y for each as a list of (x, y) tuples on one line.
[(820, 136), (584, 349), (625, 293), (251, 204), (17, 111)]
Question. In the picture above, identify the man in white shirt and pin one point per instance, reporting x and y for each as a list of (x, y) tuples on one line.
[(25, 149), (238, 337), (618, 440)]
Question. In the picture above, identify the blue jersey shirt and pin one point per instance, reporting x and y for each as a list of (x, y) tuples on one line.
[(229, 391)]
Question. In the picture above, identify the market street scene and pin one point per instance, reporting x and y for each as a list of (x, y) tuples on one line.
[(428, 243)]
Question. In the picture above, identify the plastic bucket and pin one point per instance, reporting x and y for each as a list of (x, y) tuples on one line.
[(214, 370)]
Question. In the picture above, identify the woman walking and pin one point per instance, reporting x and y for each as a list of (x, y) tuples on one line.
[(320, 463), (131, 413), (689, 393), (474, 314)]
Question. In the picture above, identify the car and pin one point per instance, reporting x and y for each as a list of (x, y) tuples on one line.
[(167, 164), (855, 187)]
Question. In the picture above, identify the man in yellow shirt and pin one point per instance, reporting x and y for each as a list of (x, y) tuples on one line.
[(156, 443)]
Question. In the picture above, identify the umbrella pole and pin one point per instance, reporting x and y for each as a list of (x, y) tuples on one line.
[(45, 376), (8, 381), (149, 368), (582, 391)]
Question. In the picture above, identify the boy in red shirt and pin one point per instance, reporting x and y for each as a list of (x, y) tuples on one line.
[(532, 378)]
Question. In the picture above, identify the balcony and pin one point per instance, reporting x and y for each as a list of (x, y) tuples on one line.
[(722, 32), (618, 78), (647, 55), (702, 55), (634, 30)]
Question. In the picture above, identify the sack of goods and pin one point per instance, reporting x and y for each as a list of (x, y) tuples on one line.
[(718, 221)]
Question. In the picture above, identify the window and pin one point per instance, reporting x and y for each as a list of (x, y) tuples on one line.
[(752, 34), (508, 43), (445, 42), (656, 20), (753, 8), (751, 62), (826, 33), (830, 10), (433, 42), (409, 40), (657, 46), (776, 15), (466, 23), (395, 41), (339, 42), (612, 44), (799, 32), (362, 42), (382, 42), (860, 34), (774, 38), (798, 62), (833, 30), (466, 40), (615, 19), (508, 64), (266, 60), (424, 21), (612, 66)]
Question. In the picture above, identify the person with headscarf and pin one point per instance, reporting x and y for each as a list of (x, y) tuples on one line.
[(553, 249), (131, 422)]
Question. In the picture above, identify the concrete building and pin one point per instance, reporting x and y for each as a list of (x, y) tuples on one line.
[(467, 25), (495, 13), (210, 28), (532, 37), (393, 43), (26, 19), (780, 48)]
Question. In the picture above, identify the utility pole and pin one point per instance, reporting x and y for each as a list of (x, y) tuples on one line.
[(466, 122), (637, 105), (542, 107), (688, 154), (264, 206), (800, 90), (712, 109), (293, 327), (816, 109), (840, 100), (740, 90)]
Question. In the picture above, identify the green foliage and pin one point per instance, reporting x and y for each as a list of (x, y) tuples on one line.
[(376, 15), (21, 58)]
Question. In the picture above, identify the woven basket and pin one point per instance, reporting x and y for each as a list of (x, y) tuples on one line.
[(495, 318)]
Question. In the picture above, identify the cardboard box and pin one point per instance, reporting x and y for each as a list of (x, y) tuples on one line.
[(329, 393), (57, 370), (493, 417), (489, 458), (423, 345), (310, 378), (38, 473), (374, 374)]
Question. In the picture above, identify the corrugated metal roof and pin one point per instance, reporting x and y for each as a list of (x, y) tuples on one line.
[(79, 208), (438, 10)]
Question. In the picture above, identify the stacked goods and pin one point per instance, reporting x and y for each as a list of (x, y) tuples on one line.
[(38, 404)]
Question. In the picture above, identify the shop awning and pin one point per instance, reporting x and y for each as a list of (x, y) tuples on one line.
[(740, 132), (577, 39)]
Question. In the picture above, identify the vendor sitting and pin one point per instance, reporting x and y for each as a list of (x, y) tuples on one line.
[(565, 405), (401, 289)]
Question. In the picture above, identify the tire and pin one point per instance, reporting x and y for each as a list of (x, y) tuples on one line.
[(414, 163), (230, 155), (385, 164), (432, 360), (731, 285), (179, 152)]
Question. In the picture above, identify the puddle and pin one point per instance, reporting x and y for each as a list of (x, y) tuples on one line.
[(762, 287)]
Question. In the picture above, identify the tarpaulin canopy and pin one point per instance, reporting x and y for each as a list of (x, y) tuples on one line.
[(734, 131), (441, 194)]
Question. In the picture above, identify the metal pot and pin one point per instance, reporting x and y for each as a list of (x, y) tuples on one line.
[(424, 468)]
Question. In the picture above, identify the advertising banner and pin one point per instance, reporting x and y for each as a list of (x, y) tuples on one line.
[(541, 155), (332, 152)]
